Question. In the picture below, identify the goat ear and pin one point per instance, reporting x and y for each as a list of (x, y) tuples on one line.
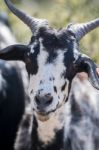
[(13, 52), (85, 64)]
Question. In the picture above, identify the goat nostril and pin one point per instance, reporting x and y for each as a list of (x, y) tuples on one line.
[(43, 101), (49, 100)]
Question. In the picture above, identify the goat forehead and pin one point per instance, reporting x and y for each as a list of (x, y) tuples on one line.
[(53, 39), (51, 48), (49, 71), (51, 66), (52, 45)]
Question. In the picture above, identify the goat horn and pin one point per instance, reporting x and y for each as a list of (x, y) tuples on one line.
[(82, 29), (31, 22)]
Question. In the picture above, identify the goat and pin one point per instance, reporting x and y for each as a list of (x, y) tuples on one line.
[(52, 59), (12, 103)]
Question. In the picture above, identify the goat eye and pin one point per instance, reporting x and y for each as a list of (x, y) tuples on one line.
[(63, 87)]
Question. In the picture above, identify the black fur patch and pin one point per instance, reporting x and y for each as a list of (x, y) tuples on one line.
[(55, 89), (55, 40), (31, 58), (63, 87), (68, 61)]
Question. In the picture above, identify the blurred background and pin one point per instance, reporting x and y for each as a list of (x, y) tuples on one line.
[(59, 13)]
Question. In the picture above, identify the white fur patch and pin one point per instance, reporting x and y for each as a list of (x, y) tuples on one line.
[(32, 47), (47, 129)]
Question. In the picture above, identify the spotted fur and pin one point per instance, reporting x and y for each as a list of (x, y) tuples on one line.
[(72, 127)]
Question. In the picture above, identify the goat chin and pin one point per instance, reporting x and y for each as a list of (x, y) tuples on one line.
[(43, 117)]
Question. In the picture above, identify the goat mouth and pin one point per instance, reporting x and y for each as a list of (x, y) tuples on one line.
[(42, 116), (45, 113), (42, 113)]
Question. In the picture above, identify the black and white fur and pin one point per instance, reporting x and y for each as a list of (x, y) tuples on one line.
[(73, 127), (52, 60), (83, 130)]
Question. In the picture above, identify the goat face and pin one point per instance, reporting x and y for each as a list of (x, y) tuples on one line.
[(52, 59), (49, 63)]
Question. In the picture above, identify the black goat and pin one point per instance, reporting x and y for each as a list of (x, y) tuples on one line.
[(12, 101), (52, 59)]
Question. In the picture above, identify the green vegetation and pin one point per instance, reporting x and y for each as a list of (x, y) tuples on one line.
[(59, 14)]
